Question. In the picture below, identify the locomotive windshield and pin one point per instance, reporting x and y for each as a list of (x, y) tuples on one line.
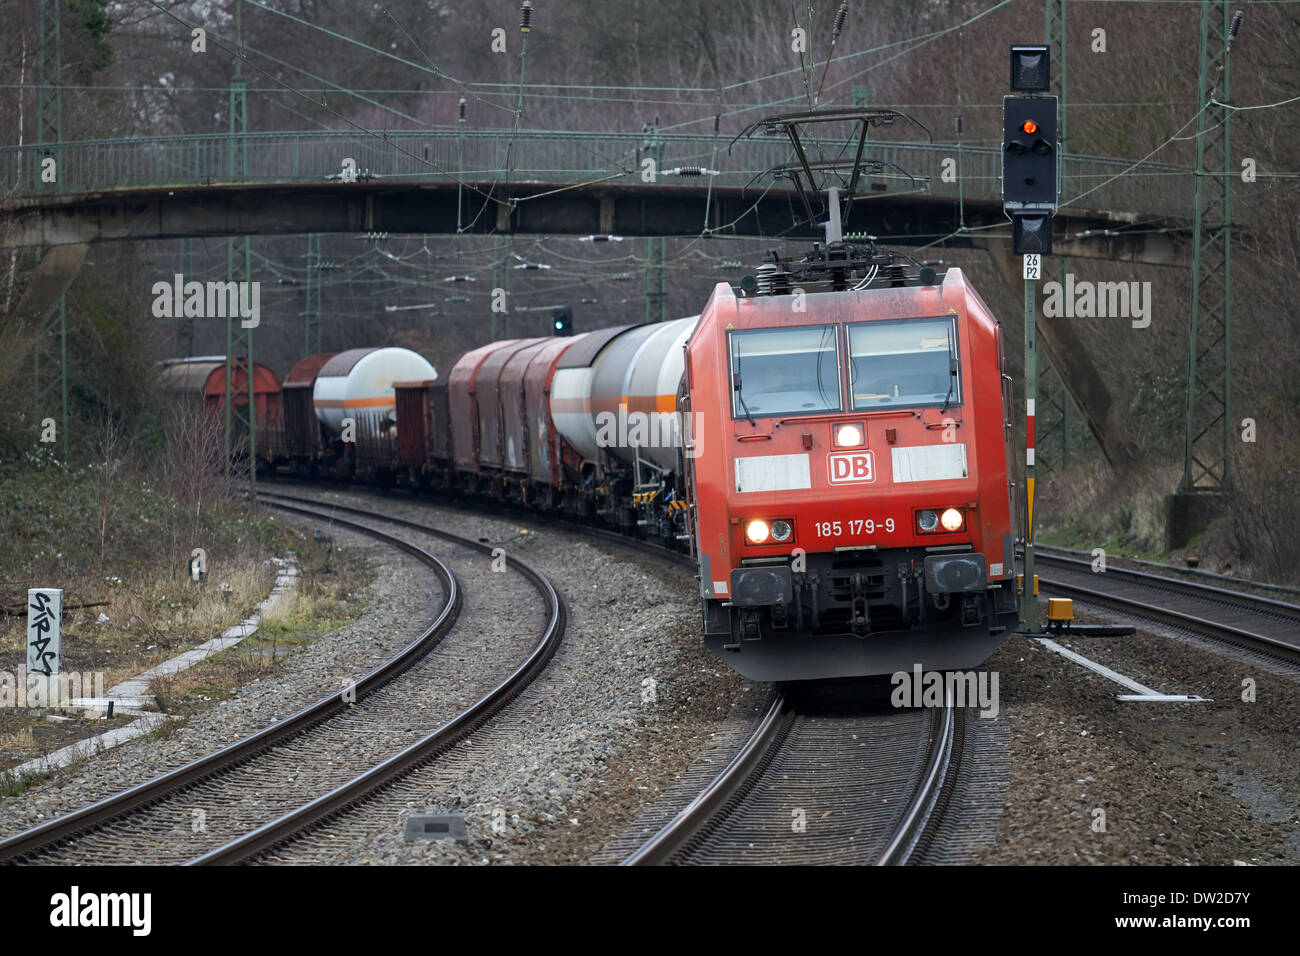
[(793, 371), (904, 363)]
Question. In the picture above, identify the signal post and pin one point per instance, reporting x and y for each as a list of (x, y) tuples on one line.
[(1030, 192)]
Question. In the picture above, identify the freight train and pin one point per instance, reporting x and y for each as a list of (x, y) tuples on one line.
[(838, 460)]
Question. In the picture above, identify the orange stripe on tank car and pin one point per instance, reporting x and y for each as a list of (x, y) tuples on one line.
[(638, 403), (354, 402), (645, 404)]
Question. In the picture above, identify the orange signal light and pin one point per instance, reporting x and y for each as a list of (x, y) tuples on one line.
[(1029, 126)]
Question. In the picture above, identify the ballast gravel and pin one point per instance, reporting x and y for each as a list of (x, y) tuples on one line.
[(1097, 780), (627, 703)]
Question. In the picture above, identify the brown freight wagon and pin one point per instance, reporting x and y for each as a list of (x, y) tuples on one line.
[(300, 436)]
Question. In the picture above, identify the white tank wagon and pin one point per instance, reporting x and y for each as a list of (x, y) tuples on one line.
[(632, 402), (649, 392), (358, 384), (571, 389)]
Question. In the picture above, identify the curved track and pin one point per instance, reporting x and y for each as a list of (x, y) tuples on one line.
[(887, 775), (58, 840), (1263, 625), (300, 821)]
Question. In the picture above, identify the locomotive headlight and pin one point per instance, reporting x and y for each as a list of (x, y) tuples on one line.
[(781, 531), (757, 531), (927, 520), (952, 519), (848, 436)]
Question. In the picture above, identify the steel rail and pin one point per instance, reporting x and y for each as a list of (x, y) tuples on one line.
[(1219, 630), (711, 804), (1052, 550), (298, 822), (110, 808), (1209, 592), (730, 782), (919, 810)]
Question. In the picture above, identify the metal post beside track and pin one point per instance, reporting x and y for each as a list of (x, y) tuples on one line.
[(1031, 190), (1029, 601), (52, 342)]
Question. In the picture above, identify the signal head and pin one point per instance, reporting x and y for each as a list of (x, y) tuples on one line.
[(1030, 68), (1029, 161), (562, 321)]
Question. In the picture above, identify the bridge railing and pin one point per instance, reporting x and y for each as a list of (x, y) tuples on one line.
[(487, 156)]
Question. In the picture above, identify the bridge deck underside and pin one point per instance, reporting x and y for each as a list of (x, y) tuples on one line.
[(547, 209)]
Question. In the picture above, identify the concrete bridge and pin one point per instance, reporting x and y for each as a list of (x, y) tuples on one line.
[(454, 181), (555, 183)]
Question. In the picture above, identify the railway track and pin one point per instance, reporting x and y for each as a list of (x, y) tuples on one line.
[(1263, 625), (280, 782), (1178, 572), (888, 775), (809, 788)]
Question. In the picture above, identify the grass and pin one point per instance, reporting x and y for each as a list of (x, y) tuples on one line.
[(20, 739), (51, 523), (320, 602), (149, 610), (165, 730), (303, 611), (1256, 535), (1089, 507), (14, 783), (148, 621), (145, 607)]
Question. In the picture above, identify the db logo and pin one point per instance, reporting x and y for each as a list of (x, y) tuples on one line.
[(850, 466)]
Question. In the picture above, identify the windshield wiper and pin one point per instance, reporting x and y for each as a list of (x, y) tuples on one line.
[(952, 372), (741, 395)]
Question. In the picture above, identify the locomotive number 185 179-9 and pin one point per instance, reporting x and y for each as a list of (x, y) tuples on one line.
[(836, 529)]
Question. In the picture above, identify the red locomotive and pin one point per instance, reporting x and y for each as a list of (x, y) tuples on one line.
[(851, 479)]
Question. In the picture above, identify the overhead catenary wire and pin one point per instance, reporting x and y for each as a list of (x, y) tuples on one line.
[(533, 93), (910, 45), (382, 136)]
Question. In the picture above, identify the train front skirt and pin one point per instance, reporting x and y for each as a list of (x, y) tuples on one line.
[(860, 614)]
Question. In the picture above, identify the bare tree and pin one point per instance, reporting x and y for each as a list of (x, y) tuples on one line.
[(194, 474), (13, 253), (112, 450)]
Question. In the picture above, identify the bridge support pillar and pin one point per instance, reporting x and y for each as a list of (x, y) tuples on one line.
[(1069, 357), (1188, 514), (29, 320)]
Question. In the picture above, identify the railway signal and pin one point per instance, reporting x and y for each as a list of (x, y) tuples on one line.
[(1030, 187), (562, 321), (1030, 153), (1031, 68), (1029, 164)]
